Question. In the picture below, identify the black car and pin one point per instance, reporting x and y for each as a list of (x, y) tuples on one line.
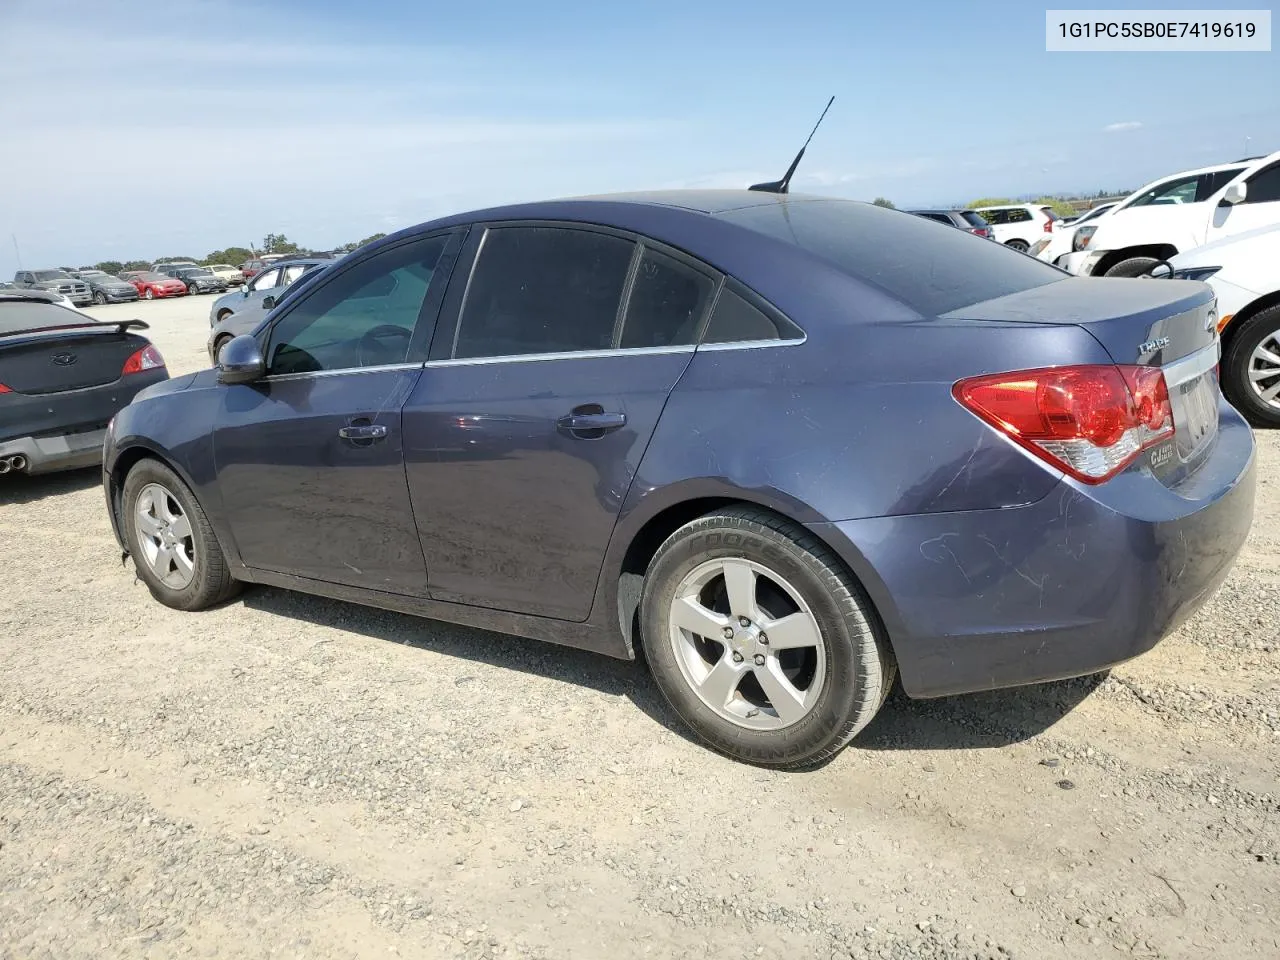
[(962, 219), (63, 376), (197, 279), (107, 288)]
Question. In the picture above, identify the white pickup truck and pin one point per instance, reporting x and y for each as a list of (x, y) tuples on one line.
[(1179, 213)]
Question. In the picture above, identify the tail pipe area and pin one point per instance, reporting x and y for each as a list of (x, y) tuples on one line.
[(15, 464)]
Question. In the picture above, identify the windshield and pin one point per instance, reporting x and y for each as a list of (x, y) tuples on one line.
[(947, 269), (153, 276), (52, 275), (194, 271)]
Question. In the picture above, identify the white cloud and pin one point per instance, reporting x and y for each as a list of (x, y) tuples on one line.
[(1122, 126)]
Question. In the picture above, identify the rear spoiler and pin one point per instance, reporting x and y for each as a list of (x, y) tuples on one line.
[(120, 327)]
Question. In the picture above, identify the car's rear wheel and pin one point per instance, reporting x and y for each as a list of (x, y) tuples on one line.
[(1251, 368), (100, 298), (761, 640), (1133, 267), (174, 550), (1020, 245), (150, 294)]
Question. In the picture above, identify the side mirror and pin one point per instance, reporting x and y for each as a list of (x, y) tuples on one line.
[(268, 303), (241, 361), (1235, 193)]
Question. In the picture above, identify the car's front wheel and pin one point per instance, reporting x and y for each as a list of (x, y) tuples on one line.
[(761, 640), (150, 294), (1251, 368), (1020, 245), (1133, 267), (173, 546), (100, 298), (191, 288)]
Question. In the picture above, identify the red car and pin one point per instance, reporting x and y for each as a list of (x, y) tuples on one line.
[(152, 285)]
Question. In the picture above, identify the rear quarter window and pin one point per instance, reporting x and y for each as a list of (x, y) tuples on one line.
[(18, 315), (932, 271)]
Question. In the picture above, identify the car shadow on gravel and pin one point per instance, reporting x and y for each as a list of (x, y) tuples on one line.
[(20, 488), (996, 719)]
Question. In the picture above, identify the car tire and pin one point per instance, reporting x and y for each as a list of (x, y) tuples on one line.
[(1020, 245), (149, 294), (223, 314), (219, 344), (191, 290), (172, 544), (100, 298), (826, 690), (1237, 364), (1133, 267)]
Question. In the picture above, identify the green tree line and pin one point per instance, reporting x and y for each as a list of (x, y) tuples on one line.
[(271, 243)]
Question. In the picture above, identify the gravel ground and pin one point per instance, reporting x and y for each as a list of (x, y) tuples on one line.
[(296, 777)]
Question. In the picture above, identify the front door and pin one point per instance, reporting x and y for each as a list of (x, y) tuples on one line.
[(310, 460), (523, 439), (1260, 207)]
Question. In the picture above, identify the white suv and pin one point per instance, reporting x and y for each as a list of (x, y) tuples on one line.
[(1019, 225), (1244, 271), (1179, 213)]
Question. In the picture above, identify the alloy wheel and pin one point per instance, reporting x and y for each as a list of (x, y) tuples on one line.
[(164, 536), (1264, 370), (747, 643)]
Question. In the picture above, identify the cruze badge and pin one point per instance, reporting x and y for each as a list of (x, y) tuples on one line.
[(1151, 346), (1161, 455)]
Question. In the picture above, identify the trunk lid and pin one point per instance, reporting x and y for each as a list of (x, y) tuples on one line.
[(1171, 324), (55, 362)]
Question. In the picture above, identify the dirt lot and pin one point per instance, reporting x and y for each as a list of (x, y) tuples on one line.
[(294, 777)]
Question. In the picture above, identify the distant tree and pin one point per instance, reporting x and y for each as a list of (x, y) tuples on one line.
[(278, 243), (1062, 208), (109, 266), (989, 202), (882, 202), (170, 259), (137, 265), (232, 255)]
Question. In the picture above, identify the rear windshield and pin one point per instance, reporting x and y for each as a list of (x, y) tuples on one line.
[(930, 270), (973, 219), (18, 315)]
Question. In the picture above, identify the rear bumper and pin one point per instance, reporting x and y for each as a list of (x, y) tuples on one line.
[(62, 431), (1064, 587), (47, 454)]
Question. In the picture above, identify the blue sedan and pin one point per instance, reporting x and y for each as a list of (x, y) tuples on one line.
[(790, 447)]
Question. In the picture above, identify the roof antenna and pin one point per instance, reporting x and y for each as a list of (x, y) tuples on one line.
[(780, 186)]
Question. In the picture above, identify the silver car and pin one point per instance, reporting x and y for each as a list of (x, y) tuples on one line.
[(242, 310)]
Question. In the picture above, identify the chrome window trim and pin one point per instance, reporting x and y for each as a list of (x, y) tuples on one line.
[(562, 355), (752, 344), (311, 374)]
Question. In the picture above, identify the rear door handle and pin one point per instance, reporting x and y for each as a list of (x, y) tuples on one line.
[(598, 423), (363, 431)]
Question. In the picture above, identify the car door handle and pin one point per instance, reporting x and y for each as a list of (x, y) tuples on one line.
[(363, 431), (595, 424)]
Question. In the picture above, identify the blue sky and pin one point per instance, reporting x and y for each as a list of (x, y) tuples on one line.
[(144, 129)]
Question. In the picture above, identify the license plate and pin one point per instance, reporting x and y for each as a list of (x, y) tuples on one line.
[(1198, 400)]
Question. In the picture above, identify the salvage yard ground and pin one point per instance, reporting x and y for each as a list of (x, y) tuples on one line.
[(296, 777)]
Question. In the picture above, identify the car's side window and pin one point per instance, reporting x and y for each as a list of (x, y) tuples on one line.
[(541, 289), (735, 319), (363, 317), (265, 280), (293, 273), (1019, 216), (1264, 186), (667, 302)]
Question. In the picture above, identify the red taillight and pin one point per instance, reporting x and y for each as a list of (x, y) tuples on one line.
[(148, 358), (1048, 226), (979, 231), (4, 389), (1088, 421)]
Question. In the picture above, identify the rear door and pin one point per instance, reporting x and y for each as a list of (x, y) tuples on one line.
[(526, 430), (310, 460)]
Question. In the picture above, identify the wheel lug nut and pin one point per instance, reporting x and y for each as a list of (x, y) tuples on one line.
[(764, 639), (737, 657), (743, 621), (728, 633), (759, 659)]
